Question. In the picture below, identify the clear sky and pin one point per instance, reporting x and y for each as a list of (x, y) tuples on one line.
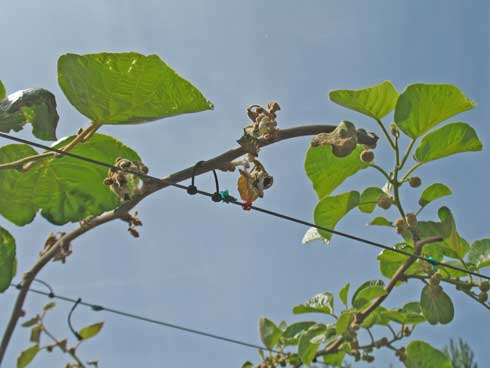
[(218, 268)]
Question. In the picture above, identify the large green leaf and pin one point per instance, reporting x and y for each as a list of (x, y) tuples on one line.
[(3, 92), (7, 259), (34, 105), (422, 106), (320, 303), (479, 253), (369, 198), (295, 330), (446, 141), (422, 355), (126, 88), (27, 356), (344, 321), (269, 332), (390, 262), (65, 189), (331, 209), (376, 101), (410, 314), (327, 172), (433, 192), (436, 305)]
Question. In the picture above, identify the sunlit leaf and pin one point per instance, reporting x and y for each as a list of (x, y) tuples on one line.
[(269, 332), (27, 356), (126, 88), (344, 293), (7, 259), (433, 192), (381, 221), (343, 322), (312, 234), (306, 348), (422, 106), (90, 331), (369, 198), (446, 141), (330, 210), (436, 305), (327, 172), (422, 355), (50, 186), (34, 105), (376, 101), (366, 292), (320, 303), (335, 359), (479, 253), (295, 330), (390, 262), (247, 364)]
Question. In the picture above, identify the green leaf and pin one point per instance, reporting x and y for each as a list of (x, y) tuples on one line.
[(433, 192), (27, 356), (330, 210), (335, 359), (90, 331), (343, 294), (410, 314), (49, 306), (367, 292), (296, 329), (36, 334), (422, 106), (376, 101), (126, 88), (327, 172), (7, 259), (308, 345), (390, 262), (34, 105), (376, 317), (436, 305), (446, 141), (269, 332), (369, 198), (312, 234), (31, 322), (50, 184), (343, 322), (320, 303), (479, 253), (422, 355), (247, 364), (381, 221), (3, 92)]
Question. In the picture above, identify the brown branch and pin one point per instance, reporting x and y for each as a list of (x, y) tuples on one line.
[(122, 211), (398, 276)]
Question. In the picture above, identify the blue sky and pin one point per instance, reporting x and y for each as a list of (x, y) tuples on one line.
[(218, 268)]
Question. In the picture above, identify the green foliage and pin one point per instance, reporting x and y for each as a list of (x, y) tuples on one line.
[(381, 221), (34, 105), (27, 356), (49, 185), (367, 292), (7, 259), (327, 172), (310, 341), (479, 253), (330, 210), (436, 305), (446, 141), (126, 88), (3, 92), (320, 303), (368, 199), (269, 332), (433, 192), (422, 106), (343, 294), (376, 101), (422, 355), (90, 331)]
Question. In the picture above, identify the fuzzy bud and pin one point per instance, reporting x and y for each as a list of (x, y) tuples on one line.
[(411, 220), (414, 181), (367, 156), (394, 129), (384, 201), (485, 286), (483, 297)]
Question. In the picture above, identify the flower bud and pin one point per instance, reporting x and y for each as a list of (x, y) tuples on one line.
[(367, 156), (414, 181)]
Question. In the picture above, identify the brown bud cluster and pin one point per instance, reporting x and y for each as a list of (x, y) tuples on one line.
[(367, 156), (414, 181)]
